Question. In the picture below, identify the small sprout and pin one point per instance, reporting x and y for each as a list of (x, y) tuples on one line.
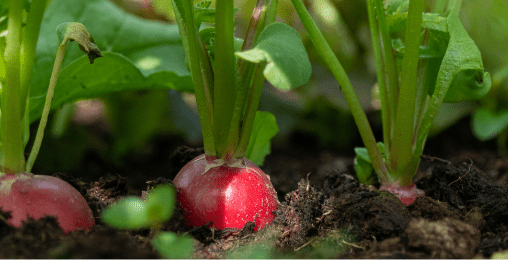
[(129, 213), (159, 206), (133, 213), (170, 245)]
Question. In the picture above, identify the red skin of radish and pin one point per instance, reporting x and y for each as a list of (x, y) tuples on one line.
[(228, 196), (406, 194), (39, 195)]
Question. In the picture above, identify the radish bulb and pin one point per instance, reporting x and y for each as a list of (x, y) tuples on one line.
[(227, 194), (40, 195), (406, 194)]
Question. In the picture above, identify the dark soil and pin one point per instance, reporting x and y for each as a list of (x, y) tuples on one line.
[(323, 213)]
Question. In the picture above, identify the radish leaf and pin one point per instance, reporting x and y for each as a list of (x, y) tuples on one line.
[(487, 125), (171, 245), (130, 213), (151, 54), (112, 73), (288, 64), (265, 127)]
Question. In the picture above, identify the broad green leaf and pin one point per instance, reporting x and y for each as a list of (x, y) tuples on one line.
[(130, 213), (152, 55), (461, 76), (114, 72), (288, 64), (160, 203), (171, 245), (487, 125), (263, 130)]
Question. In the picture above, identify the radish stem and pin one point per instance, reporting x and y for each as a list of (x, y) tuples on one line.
[(60, 54)]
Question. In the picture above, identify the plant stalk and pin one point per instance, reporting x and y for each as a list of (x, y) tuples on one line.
[(245, 74), (185, 18), (12, 159), (225, 85), (390, 69), (401, 151), (338, 71), (381, 80), (60, 54), (250, 111), (30, 37)]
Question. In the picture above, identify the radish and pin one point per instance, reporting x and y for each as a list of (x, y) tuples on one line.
[(39, 195), (22, 193), (222, 186), (406, 194), (227, 195)]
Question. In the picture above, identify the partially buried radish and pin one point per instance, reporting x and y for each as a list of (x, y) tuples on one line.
[(39, 195), (222, 186), (209, 190)]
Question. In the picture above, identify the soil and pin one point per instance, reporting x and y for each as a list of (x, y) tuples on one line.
[(323, 213)]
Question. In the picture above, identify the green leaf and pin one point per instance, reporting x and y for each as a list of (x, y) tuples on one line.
[(364, 170), (208, 37), (461, 76), (170, 245), (487, 125), (396, 6), (363, 165), (263, 130), (204, 14), (288, 64), (77, 32), (151, 53), (130, 213), (112, 73), (160, 204)]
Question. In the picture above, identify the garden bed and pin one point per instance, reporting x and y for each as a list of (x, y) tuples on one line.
[(324, 211)]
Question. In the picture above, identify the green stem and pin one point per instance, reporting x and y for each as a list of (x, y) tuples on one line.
[(225, 86), (334, 65), (401, 151), (431, 112), (60, 54), (250, 111), (390, 69), (13, 159), (185, 18), (30, 37), (246, 71), (381, 81)]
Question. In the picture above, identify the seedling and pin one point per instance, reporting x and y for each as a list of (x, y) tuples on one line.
[(133, 213), (21, 192), (451, 70), (222, 186)]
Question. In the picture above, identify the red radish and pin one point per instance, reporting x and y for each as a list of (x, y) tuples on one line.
[(406, 194), (39, 195), (227, 194)]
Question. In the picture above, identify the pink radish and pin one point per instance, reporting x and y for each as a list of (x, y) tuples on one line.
[(39, 195), (228, 195)]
